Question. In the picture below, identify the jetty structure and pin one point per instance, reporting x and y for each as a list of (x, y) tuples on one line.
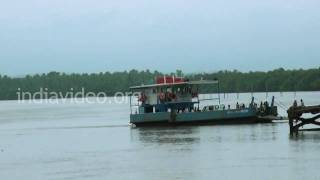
[(296, 119), (175, 100)]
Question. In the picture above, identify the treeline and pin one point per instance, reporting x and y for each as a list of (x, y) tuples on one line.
[(230, 81)]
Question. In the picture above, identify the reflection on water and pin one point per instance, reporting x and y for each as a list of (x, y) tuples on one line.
[(62, 142), (165, 135), (313, 136)]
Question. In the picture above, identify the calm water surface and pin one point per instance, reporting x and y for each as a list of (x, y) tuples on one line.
[(94, 141)]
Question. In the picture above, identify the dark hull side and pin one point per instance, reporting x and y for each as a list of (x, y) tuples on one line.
[(251, 120), (244, 116)]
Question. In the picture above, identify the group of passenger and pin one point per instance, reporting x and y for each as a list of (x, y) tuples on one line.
[(167, 97), (295, 103), (263, 105), (240, 106)]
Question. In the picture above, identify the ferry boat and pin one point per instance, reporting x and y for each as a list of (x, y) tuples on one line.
[(175, 100)]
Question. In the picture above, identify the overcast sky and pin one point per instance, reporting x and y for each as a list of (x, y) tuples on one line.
[(193, 35)]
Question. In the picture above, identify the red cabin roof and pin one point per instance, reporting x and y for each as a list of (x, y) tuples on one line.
[(169, 80)]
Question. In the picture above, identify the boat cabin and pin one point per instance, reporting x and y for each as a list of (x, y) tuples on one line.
[(167, 94)]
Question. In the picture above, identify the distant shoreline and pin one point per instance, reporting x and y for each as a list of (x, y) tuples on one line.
[(278, 80), (221, 94)]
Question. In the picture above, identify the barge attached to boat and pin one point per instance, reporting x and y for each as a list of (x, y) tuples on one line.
[(174, 100)]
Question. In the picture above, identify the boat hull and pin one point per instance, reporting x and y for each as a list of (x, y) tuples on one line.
[(240, 116)]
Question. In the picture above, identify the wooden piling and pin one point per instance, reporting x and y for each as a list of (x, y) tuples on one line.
[(296, 120)]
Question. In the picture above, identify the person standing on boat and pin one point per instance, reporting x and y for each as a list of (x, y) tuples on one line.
[(143, 98), (295, 104), (161, 97)]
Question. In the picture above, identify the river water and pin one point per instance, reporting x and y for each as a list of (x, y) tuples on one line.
[(94, 141)]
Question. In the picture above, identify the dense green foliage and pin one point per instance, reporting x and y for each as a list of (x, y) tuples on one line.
[(230, 81)]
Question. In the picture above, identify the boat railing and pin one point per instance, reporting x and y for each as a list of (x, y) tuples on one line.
[(208, 99)]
